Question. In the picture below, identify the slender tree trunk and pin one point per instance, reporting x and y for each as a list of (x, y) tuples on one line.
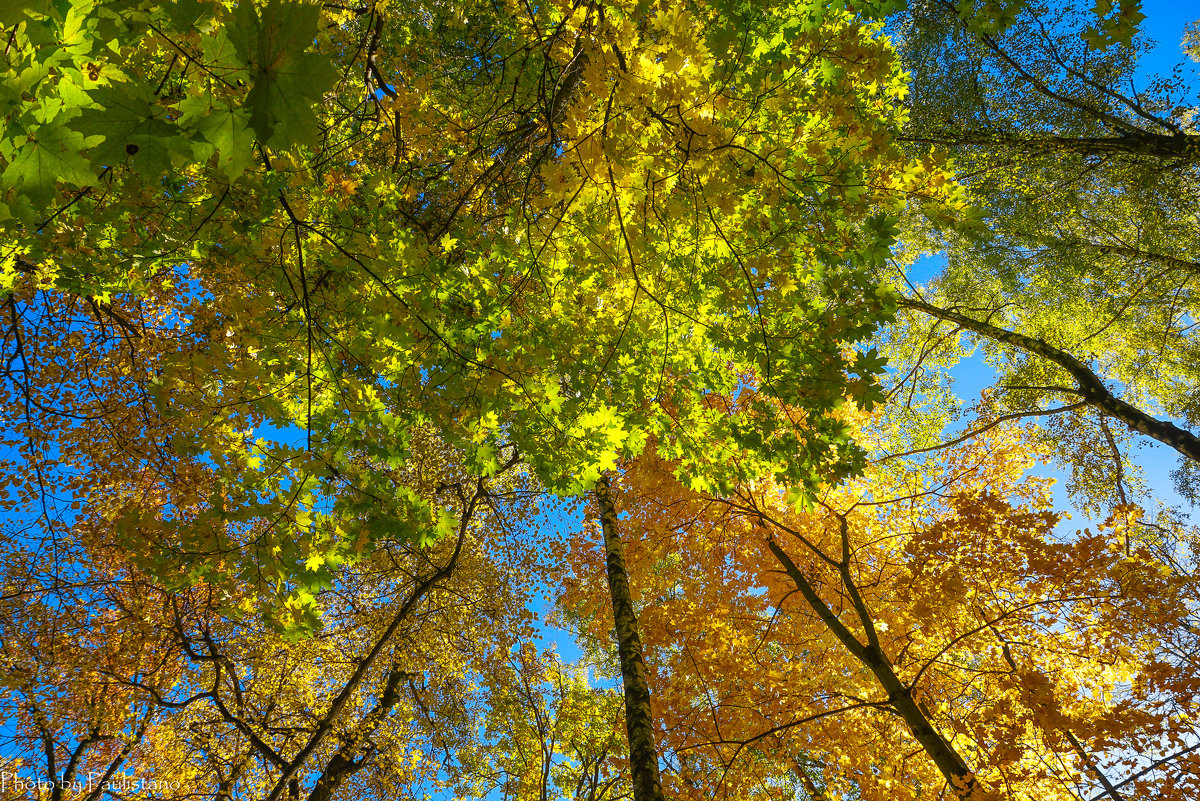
[(951, 765), (639, 722), (810, 787), (1101, 249), (1184, 146), (1090, 387)]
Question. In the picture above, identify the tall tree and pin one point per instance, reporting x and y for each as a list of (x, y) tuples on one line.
[(545, 233), (296, 297), (918, 629), (1084, 177), (590, 224), (425, 673)]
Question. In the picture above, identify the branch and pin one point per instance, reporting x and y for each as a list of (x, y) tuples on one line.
[(1090, 387), (949, 762), (325, 726), (1002, 418), (1152, 767), (1162, 146)]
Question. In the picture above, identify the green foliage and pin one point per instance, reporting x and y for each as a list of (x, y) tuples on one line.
[(1116, 24), (286, 82), (1083, 236), (308, 309), (661, 231), (95, 85)]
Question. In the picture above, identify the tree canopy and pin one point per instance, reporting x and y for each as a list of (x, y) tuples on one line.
[(487, 399)]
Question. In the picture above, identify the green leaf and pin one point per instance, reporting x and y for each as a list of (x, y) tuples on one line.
[(52, 154), (134, 129), (287, 81), (14, 13), (224, 127), (184, 13)]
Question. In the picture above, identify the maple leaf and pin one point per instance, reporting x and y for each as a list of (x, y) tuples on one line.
[(286, 81)]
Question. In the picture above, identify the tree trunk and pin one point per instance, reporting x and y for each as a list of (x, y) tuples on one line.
[(951, 765), (639, 722), (1183, 146), (1090, 387)]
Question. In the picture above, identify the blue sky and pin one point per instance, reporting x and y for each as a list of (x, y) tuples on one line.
[(1165, 22)]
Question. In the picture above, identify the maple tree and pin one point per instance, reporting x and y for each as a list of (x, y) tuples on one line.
[(420, 678), (309, 309), (911, 630), (441, 269), (649, 168)]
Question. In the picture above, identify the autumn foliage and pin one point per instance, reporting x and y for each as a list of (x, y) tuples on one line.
[(1016, 646), (505, 400)]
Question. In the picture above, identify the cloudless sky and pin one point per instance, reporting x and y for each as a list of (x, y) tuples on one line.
[(1165, 22)]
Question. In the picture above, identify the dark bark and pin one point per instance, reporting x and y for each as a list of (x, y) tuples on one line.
[(639, 720), (1089, 386), (1042, 83), (1101, 249), (952, 766), (810, 787), (1178, 146), (342, 764)]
